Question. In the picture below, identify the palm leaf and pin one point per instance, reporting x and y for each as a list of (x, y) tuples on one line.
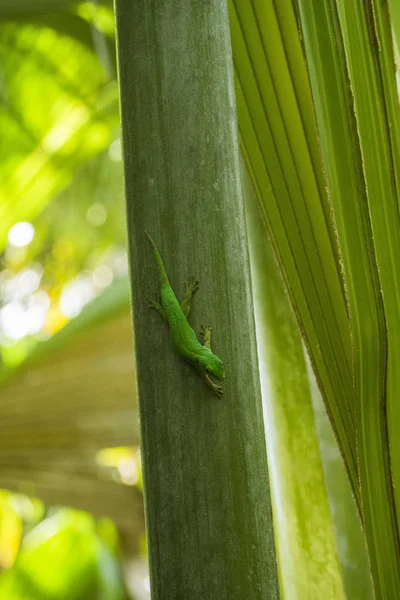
[(361, 158), (279, 145), (57, 110), (346, 298)]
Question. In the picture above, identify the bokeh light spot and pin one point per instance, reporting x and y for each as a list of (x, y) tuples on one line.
[(115, 151), (75, 295), (102, 276), (21, 234), (96, 215)]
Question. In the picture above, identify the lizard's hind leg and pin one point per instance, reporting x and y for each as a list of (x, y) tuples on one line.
[(191, 287), (156, 305), (205, 332)]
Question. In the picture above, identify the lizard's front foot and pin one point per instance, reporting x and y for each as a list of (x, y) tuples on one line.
[(192, 286), (218, 391), (205, 330)]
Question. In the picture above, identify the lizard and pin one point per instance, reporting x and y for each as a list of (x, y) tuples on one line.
[(185, 341)]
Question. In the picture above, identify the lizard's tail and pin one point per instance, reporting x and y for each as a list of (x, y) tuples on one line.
[(159, 261)]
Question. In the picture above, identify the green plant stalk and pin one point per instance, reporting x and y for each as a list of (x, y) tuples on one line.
[(205, 470)]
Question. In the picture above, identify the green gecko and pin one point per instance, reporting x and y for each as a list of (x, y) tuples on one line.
[(183, 336)]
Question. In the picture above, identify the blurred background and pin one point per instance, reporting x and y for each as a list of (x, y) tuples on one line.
[(71, 507)]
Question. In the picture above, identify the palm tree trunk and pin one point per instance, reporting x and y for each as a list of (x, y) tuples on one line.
[(204, 459)]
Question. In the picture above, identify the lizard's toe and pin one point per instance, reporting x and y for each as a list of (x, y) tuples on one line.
[(218, 391), (193, 284), (156, 303), (204, 329)]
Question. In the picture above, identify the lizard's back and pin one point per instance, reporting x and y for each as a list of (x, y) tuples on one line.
[(184, 338)]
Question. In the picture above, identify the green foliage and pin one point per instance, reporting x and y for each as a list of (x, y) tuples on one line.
[(78, 244), (58, 116), (80, 563), (57, 111), (360, 143), (280, 147), (334, 222)]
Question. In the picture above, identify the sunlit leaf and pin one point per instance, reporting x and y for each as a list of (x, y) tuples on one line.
[(10, 530), (75, 556), (57, 110), (280, 148), (359, 138), (338, 247)]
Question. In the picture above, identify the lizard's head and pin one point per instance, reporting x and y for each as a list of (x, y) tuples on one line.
[(214, 366)]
